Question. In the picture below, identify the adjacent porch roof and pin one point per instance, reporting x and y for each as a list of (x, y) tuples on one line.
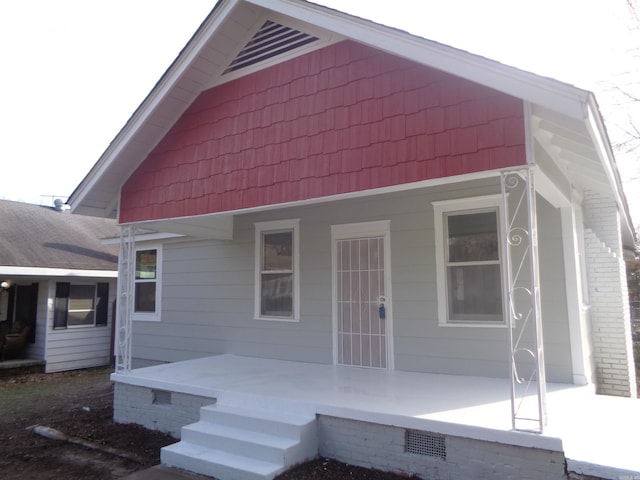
[(471, 407)]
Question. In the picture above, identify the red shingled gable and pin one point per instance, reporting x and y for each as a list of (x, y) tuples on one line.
[(342, 119)]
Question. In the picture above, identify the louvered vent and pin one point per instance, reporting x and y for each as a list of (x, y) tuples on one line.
[(425, 443), (270, 41)]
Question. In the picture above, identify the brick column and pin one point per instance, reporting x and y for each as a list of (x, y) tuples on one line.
[(608, 298)]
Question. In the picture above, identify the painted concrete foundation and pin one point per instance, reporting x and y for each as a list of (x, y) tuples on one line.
[(386, 448), (159, 410)]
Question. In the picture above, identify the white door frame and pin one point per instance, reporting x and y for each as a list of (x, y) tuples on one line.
[(379, 228)]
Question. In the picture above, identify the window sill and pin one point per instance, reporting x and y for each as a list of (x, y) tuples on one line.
[(93, 325), (472, 325), (145, 318), (277, 319)]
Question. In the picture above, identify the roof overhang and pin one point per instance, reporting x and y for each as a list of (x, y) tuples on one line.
[(14, 272)]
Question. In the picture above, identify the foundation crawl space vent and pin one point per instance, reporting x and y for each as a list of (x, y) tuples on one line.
[(425, 443), (270, 41)]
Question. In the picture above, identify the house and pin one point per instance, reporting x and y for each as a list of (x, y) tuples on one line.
[(405, 255), (58, 285)]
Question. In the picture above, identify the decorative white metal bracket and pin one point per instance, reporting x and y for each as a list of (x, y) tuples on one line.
[(528, 382), (124, 305)]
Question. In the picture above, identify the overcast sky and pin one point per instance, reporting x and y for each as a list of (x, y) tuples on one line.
[(73, 71)]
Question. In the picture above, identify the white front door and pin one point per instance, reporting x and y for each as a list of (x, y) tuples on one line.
[(361, 305)]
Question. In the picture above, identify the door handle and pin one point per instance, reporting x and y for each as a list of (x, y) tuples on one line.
[(382, 311)]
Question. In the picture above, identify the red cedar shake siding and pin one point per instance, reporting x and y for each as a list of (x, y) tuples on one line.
[(342, 119)]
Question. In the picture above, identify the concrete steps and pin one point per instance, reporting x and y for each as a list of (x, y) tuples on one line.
[(244, 443)]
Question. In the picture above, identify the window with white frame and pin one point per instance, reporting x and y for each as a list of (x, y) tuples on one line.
[(80, 305), (469, 261), (277, 293), (146, 283)]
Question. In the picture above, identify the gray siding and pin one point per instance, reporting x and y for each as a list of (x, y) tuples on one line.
[(208, 292)]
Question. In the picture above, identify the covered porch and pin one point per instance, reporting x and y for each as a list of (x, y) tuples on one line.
[(592, 431)]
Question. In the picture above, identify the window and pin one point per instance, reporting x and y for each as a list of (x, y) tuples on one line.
[(146, 295), (82, 302), (469, 263), (80, 305), (277, 260)]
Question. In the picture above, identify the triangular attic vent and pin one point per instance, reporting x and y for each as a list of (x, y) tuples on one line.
[(271, 40)]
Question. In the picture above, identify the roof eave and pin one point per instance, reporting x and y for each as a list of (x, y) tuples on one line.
[(157, 94), (598, 131)]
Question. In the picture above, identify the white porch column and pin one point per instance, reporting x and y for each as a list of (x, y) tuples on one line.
[(577, 296), (522, 303), (124, 306)]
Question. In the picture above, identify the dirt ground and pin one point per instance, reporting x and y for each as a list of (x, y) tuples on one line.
[(79, 404)]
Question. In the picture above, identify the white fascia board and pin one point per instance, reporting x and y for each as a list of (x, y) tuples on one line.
[(153, 99), (55, 272), (145, 237), (539, 90)]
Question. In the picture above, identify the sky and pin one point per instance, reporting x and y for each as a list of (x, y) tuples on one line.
[(73, 71)]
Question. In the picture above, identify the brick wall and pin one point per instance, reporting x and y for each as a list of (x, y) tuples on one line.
[(610, 319), (601, 216), (608, 297), (383, 447), (164, 411)]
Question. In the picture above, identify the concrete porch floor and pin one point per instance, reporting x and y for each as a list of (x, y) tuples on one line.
[(596, 433)]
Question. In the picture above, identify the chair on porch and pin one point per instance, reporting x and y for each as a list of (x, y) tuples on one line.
[(13, 344)]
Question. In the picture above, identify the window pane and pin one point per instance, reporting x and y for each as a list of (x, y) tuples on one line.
[(145, 300), (81, 297), (146, 264), (475, 293), (277, 295), (473, 237), (81, 305), (80, 318), (277, 251)]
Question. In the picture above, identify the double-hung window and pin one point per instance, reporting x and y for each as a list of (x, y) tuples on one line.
[(80, 305), (469, 261), (277, 295), (146, 294)]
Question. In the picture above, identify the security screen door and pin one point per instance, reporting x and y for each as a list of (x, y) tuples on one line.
[(360, 296)]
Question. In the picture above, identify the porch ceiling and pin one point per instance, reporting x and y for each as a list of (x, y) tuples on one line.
[(568, 142), (219, 227)]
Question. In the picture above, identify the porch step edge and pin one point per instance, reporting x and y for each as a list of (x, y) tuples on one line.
[(270, 448), (217, 463), (266, 403), (272, 421)]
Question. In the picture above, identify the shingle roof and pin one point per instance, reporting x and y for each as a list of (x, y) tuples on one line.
[(41, 236)]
